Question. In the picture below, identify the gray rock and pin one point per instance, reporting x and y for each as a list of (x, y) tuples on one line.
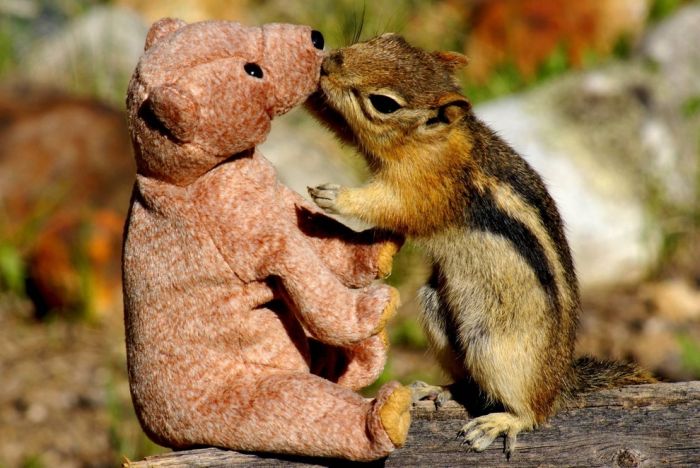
[(673, 47), (94, 54), (307, 155)]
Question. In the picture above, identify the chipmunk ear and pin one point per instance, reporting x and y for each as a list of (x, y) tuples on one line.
[(450, 108), (453, 60)]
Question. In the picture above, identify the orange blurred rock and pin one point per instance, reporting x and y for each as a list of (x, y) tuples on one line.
[(188, 10), (527, 32), (66, 172)]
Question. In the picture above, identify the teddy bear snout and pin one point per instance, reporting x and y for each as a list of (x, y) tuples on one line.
[(293, 56)]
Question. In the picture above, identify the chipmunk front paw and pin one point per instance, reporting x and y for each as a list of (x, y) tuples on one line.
[(326, 196)]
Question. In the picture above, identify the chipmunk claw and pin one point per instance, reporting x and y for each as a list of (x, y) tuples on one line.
[(325, 196)]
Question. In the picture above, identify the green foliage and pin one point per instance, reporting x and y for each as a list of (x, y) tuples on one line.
[(12, 269), (32, 461), (507, 79), (691, 107), (408, 332), (504, 80), (556, 64), (14, 32), (7, 53), (126, 439), (690, 353), (623, 47), (407, 263), (342, 22), (660, 9)]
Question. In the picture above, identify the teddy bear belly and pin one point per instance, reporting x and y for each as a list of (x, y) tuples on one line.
[(273, 338), (269, 337), (181, 372)]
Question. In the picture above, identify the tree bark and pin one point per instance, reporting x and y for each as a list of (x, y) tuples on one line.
[(638, 426)]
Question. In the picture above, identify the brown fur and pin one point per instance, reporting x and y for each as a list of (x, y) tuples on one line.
[(250, 316), (502, 306)]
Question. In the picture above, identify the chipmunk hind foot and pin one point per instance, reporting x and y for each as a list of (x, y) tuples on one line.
[(480, 432)]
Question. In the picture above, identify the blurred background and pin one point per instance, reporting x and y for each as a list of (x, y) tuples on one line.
[(601, 96)]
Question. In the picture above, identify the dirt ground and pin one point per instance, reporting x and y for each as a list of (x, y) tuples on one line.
[(64, 399)]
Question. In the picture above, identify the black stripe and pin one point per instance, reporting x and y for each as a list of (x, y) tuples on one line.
[(443, 316), (533, 192), (498, 160), (484, 215)]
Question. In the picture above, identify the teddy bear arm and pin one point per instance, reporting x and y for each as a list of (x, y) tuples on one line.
[(356, 258), (330, 311)]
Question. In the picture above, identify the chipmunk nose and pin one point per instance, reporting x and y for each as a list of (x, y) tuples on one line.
[(331, 63)]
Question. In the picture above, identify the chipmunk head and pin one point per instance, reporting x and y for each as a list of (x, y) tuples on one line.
[(389, 94)]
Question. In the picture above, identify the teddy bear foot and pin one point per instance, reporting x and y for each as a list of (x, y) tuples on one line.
[(395, 415)]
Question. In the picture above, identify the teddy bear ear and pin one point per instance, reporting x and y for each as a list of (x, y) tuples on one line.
[(176, 110), (162, 28)]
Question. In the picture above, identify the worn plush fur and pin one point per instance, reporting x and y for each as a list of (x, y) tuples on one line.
[(250, 316)]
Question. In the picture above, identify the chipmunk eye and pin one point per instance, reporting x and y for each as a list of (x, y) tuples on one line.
[(384, 104), (253, 69)]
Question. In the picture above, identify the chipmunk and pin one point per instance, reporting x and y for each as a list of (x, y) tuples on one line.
[(501, 308)]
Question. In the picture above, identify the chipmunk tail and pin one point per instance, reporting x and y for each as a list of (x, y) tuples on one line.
[(590, 374)]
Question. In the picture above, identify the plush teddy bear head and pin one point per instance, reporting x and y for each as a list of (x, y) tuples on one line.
[(205, 91)]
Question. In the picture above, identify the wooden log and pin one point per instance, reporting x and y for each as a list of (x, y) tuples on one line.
[(637, 426)]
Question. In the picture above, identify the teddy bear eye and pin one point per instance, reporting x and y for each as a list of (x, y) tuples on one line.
[(253, 69), (384, 104), (317, 39)]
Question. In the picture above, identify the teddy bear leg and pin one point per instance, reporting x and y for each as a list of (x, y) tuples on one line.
[(303, 414), (364, 362)]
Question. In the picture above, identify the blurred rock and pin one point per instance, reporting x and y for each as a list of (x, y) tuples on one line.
[(655, 325), (305, 154), (190, 11), (94, 54), (527, 33), (66, 171), (617, 152), (673, 47), (675, 300)]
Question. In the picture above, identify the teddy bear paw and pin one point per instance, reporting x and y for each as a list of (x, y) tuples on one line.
[(385, 258), (389, 309)]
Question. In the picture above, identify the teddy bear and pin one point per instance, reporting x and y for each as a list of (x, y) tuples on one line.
[(251, 318)]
